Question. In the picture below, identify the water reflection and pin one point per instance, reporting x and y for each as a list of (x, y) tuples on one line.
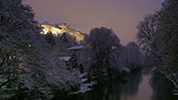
[(162, 88), (118, 90), (139, 87)]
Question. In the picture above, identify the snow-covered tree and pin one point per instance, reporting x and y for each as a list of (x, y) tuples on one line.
[(16, 34), (159, 38), (103, 42), (168, 24), (29, 68), (148, 33), (147, 37), (18, 29), (133, 56)]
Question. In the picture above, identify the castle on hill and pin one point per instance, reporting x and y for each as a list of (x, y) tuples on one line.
[(59, 29)]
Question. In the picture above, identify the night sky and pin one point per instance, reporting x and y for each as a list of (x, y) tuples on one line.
[(120, 15)]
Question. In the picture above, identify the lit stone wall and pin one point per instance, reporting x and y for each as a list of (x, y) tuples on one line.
[(60, 29)]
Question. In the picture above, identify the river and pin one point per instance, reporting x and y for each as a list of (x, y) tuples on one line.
[(138, 87)]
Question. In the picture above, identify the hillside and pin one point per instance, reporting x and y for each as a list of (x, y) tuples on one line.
[(59, 29)]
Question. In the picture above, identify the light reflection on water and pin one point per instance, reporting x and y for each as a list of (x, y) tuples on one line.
[(144, 92), (138, 87)]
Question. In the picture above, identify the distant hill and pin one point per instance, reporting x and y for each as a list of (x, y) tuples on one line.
[(61, 28)]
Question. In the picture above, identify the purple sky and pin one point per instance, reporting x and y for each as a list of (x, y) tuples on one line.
[(120, 15)]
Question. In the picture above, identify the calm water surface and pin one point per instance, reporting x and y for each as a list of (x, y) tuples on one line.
[(138, 87)]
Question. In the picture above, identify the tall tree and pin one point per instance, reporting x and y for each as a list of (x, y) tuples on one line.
[(103, 42), (133, 55), (147, 33), (17, 25), (29, 69), (168, 23), (162, 43), (17, 32)]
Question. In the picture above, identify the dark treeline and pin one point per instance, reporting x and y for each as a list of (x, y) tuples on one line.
[(158, 37)]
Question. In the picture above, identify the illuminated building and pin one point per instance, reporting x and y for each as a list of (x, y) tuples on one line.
[(59, 29)]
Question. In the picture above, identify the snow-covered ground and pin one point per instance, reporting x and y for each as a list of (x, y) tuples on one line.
[(85, 86), (76, 47)]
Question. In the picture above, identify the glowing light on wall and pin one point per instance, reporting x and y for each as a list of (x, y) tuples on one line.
[(60, 29)]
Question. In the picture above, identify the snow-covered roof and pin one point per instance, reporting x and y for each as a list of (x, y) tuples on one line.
[(76, 47), (65, 58)]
